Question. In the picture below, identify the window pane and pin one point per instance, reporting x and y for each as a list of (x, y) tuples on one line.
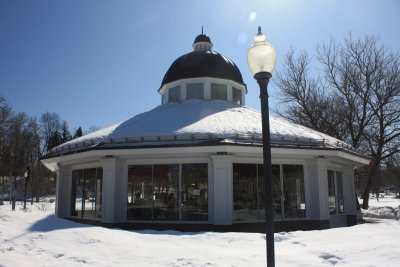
[(332, 193), (89, 193), (194, 192), (140, 197), (245, 192), (219, 91), (99, 190), (86, 193), (340, 191), (276, 191), (166, 192), (293, 186), (236, 96), (77, 193), (174, 94), (195, 90)]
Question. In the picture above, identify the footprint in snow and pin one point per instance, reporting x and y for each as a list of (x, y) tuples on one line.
[(332, 259)]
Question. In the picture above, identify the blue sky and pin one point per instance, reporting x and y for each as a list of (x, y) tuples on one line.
[(101, 62)]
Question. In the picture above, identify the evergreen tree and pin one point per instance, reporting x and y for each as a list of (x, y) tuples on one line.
[(78, 132)]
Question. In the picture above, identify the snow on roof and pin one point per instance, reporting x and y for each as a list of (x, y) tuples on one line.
[(197, 120)]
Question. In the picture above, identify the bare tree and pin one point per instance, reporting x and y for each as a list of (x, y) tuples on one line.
[(306, 97), (355, 97), (51, 130)]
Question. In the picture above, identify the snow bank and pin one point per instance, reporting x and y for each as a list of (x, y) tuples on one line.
[(38, 238), (385, 208)]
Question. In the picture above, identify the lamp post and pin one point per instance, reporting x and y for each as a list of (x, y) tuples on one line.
[(261, 58), (26, 175)]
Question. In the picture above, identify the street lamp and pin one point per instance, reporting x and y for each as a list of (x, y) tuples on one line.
[(261, 59), (26, 175)]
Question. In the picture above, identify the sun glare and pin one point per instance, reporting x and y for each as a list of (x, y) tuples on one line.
[(252, 16)]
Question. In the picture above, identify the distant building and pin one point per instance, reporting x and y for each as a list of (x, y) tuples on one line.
[(195, 162)]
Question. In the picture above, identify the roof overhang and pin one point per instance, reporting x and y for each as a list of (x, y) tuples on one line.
[(176, 151)]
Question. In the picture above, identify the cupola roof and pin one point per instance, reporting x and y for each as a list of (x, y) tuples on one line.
[(202, 62)]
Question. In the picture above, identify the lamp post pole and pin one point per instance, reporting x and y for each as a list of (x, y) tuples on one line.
[(262, 59), (262, 80), (26, 175)]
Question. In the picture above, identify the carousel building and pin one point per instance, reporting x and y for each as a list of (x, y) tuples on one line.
[(195, 162)]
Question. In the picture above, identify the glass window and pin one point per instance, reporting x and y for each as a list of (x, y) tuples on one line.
[(245, 192), (174, 94), (332, 192), (249, 191), (293, 188), (77, 193), (166, 192), (195, 90), (89, 193), (340, 192), (153, 192), (219, 91), (335, 191), (236, 96), (276, 191), (194, 192), (99, 191), (86, 193), (140, 197)]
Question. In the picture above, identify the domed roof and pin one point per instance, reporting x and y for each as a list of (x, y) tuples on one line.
[(202, 62), (202, 38)]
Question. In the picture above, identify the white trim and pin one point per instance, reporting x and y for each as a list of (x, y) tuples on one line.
[(277, 153)]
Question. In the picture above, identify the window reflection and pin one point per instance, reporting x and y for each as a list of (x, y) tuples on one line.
[(236, 96), (335, 192), (174, 94), (153, 192), (86, 193), (249, 196), (166, 192), (140, 197), (276, 191), (340, 192), (293, 188), (245, 192), (194, 192), (219, 91), (195, 90)]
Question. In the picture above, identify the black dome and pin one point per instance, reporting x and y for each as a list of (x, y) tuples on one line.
[(202, 38), (202, 64)]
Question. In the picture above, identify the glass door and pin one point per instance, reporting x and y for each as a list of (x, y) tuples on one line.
[(335, 198)]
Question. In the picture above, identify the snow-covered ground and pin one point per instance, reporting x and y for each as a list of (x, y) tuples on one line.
[(38, 238)]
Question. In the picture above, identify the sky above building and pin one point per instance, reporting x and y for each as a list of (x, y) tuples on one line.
[(96, 63)]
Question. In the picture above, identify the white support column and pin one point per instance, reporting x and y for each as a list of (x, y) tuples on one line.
[(349, 191), (109, 187), (229, 92), (317, 189), (63, 191), (222, 183), (323, 188), (121, 183), (183, 92), (207, 89)]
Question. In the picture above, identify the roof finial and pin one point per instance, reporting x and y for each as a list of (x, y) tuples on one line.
[(259, 30), (202, 29)]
